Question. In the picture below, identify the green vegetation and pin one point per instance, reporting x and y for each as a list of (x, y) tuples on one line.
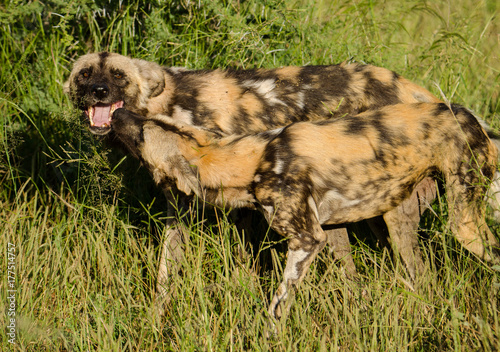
[(85, 221)]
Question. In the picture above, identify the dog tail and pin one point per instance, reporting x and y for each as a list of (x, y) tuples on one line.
[(494, 137), (493, 195)]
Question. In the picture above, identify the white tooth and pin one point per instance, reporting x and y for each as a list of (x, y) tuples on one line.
[(91, 116)]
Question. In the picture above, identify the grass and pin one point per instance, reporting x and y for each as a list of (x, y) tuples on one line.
[(86, 221)]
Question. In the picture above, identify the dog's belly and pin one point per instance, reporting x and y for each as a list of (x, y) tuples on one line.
[(335, 208)]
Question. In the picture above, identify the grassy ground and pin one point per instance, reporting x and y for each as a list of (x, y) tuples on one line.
[(84, 221)]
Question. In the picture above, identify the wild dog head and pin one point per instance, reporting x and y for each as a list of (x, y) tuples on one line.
[(100, 83)]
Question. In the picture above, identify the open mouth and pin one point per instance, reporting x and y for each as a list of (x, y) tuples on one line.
[(100, 114)]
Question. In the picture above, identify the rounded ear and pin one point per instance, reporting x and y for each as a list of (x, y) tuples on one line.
[(66, 87), (153, 75)]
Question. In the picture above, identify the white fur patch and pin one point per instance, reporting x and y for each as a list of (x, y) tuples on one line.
[(312, 205), (177, 69), (181, 115), (336, 196), (268, 211), (331, 200), (278, 168), (276, 131), (265, 89), (294, 258), (301, 100)]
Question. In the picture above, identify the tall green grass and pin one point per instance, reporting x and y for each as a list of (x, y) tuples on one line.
[(86, 220)]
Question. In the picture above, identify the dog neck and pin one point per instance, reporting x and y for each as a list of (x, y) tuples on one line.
[(230, 162), (203, 162)]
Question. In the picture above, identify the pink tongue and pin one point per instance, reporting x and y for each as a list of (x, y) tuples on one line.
[(102, 115)]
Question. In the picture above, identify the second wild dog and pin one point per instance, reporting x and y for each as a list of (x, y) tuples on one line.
[(309, 174)]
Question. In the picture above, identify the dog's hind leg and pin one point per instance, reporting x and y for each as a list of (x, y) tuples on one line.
[(303, 247), (473, 233), (402, 224), (468, 225)]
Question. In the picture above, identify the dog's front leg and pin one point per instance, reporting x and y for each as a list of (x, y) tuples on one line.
[(173, 246), (303, 247)]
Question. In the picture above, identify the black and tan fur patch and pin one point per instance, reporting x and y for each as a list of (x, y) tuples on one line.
[(342, 170)]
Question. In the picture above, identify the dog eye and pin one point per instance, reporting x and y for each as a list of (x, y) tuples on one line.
[(118, 75), (85, 74)]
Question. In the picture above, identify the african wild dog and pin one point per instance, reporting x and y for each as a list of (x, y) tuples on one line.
[(336, 171), (247, 101), (232, 101)]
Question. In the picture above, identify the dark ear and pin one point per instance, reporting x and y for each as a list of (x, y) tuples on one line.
[(157, 89), (153, 76)]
